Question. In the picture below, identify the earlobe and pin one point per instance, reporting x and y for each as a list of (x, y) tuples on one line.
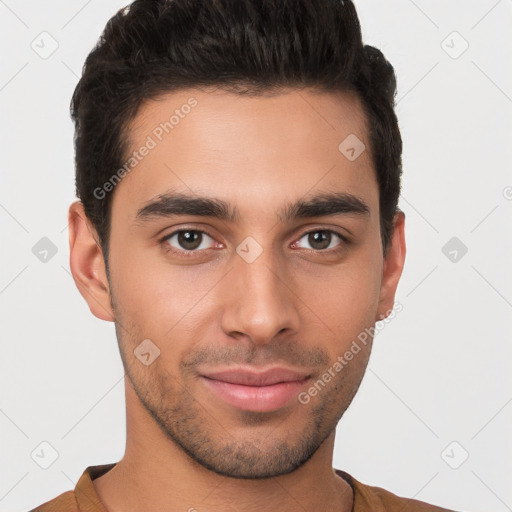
[(393, 266), (87, 264)]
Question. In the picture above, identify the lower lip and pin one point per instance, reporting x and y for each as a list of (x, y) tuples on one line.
[(255, 398)]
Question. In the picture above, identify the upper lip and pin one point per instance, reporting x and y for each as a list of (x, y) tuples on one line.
[(251, 377)]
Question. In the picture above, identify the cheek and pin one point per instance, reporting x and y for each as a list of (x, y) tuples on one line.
[(161, 301), (347, 300), (143, 285), (352, 285)]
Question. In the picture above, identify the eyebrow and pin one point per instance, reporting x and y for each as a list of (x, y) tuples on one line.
[(174, 204)]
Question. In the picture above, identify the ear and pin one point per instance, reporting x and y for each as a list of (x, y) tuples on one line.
[(87, 265), (393, 266)]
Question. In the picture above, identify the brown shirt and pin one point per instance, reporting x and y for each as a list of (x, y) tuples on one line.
[(366, 498)]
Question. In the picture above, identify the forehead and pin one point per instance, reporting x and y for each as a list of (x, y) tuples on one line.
[(254, 148)]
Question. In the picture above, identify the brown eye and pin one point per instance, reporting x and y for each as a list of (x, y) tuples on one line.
[(323, 239), (187, 240), (319, 239)]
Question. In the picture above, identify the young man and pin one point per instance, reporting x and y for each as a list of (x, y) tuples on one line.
[(238, 166)]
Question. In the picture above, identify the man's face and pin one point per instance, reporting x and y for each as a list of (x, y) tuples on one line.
[(247, 312)]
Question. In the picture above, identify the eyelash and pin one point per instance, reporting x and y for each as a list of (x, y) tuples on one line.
[(188, 254)]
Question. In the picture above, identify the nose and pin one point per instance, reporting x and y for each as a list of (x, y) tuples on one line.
[(259, 301)]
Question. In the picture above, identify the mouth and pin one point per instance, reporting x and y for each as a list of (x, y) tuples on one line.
[(249, 390)]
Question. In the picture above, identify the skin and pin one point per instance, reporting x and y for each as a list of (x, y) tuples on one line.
[(296, 305)]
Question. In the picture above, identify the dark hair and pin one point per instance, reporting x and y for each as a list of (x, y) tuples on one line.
[(244, 46)]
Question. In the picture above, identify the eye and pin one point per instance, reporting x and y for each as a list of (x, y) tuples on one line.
[(322, 239), (187, 241)]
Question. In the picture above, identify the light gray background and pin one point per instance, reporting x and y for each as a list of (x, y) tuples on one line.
[(440, 371)]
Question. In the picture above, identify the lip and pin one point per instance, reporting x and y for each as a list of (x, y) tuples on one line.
[(249, 390)]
